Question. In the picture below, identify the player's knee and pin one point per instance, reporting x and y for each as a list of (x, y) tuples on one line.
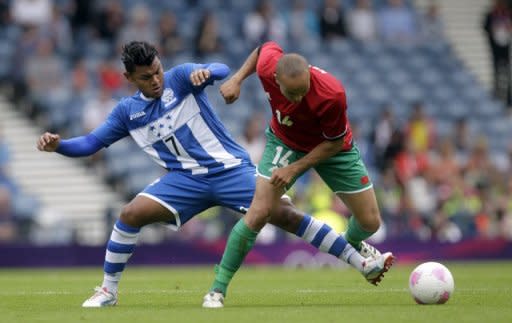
[(371, 221), (258, 216), (130, 216)]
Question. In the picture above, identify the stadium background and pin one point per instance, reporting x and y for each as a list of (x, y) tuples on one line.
[(433, 127)]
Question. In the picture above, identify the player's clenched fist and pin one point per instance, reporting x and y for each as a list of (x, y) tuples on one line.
[(48, 142), (230, 90), (199, 76)]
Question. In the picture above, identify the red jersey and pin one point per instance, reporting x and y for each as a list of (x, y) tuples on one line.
[(320, 116)]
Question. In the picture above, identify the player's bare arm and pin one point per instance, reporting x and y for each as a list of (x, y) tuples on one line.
[(199, 76), (284, 175), (230, 90), (48, 142)]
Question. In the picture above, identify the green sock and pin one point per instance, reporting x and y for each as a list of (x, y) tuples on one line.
[(355, 234), (240, 242)]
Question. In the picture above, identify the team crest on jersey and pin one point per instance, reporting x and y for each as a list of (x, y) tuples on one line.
[(168, 96)]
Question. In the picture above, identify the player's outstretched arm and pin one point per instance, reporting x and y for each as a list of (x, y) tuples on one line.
[(74, 147), (230, 90)]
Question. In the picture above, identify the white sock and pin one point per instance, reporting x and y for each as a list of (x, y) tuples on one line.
[(352, 257)]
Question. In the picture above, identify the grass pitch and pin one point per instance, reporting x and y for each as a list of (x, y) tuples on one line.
[(483, 293)]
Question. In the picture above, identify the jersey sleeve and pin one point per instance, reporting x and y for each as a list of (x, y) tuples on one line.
[(113, 128), (270, 53), (180, 76), (333, 117)]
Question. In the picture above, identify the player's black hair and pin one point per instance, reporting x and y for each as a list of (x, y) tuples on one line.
[(138, 53)]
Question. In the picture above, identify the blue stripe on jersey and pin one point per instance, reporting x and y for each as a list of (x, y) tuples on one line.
[(320, 235), (164, 154), (337, 247), (119, 247)]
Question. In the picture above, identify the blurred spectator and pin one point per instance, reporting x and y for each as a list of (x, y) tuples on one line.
[(80, 13), (479, 169), (139, 27), (411, 166), (5, 157), (4, 13), (97, 108), (45, 74), (332, 20), (302, 22), (504, 211), (31, 12), (207, 39), (253, 139), (431, 24), (446, 168), (410, 162), (80, 78), (420, 129), (462, 139), (390, 197), (381, 136), (95, 111), (8, 231), (109, 20), (498, 27), (264, 24), (171, 41), (58, 30), (396, 22), (361, 21), (110, 75)]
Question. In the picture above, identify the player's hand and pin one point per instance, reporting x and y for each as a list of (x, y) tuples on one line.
[(48, 142), (230, 90), (198, 77), (282, 177)]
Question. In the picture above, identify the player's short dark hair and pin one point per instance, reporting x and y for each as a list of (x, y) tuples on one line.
[(138, 53)]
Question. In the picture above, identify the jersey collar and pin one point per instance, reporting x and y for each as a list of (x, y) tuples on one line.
[(143, 97)]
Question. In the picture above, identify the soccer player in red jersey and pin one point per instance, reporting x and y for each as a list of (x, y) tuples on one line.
[(309, 129)]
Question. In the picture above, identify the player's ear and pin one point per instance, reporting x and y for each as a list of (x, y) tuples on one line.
[(128, 76)]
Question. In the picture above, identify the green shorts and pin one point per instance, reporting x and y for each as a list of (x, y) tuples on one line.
[(344, 172)]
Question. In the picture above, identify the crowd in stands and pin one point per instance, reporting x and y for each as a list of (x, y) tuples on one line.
[(431, 183)]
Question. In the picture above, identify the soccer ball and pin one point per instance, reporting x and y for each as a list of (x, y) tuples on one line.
[(431, 283)]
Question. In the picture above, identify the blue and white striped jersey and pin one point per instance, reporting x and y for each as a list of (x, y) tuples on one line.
[(179, 130)]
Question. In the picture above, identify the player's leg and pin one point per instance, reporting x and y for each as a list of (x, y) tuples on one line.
[(172, 199), (139, 212), (235, 190), (318, 233), (267, 206), (365, 219), (244, 233), (347, 176)]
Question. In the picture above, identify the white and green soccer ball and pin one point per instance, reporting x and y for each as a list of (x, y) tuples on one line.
[(431, 283)]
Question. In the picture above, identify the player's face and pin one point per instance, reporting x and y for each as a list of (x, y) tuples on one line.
[(294, 89), (148, 79)]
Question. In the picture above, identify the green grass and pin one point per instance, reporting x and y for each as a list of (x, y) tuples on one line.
[(483, 293)]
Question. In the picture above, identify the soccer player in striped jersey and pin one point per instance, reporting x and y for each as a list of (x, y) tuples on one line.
[(170, 119), (309, 129)]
